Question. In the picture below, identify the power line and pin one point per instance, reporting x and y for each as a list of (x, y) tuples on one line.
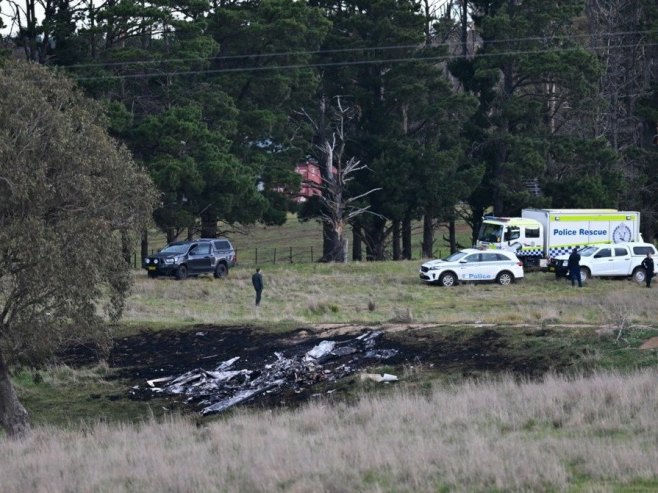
[(345, 63), (247, 56)]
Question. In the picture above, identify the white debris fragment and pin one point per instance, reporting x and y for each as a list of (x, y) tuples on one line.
[(151, 383), (379, 377), (321, 350)]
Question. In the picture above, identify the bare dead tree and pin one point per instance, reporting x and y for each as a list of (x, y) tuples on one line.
[(338, 208)]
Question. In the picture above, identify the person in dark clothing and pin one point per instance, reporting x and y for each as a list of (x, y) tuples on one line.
[(257, 281), (647, 263), (574, 268)]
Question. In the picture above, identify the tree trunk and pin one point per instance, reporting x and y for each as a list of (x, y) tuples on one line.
[(406, 238), (477, 214), (171, 235), (144, 250), (376, 235), (428, 236), (452, 234), (357, 244), (396, 239), (332, 245), (208, 226), (13, 416)]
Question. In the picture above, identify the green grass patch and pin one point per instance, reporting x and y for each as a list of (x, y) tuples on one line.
[(68, 397)]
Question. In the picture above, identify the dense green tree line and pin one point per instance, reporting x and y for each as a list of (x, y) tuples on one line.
[(492, 105)]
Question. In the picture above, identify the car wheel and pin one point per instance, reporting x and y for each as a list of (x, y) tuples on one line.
[(448, 279), (505, 278), (640, 275), (181, 273), (221, 270), (585, 274)]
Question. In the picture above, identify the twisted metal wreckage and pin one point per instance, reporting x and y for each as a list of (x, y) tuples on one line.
[(222, 388)]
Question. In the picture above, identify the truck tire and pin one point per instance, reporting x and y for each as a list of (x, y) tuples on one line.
[(639, 275), (448, 279), (221, 270), (505, 278), (585, 274), (181, 272)]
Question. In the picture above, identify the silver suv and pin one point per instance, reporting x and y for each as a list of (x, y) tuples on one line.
[(191, 258)]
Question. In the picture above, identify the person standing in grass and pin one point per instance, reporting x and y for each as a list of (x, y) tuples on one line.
[(574, 268), (257, 281), (647, 263)]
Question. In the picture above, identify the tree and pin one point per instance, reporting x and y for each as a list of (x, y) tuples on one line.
[(71, 196), (532, 77), (337, 207)]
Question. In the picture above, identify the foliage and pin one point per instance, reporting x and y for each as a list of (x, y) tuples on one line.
[(503, 104), (71, 199)]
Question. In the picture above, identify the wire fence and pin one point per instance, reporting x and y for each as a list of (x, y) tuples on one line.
[(269, 256), (288, 255), (264, 256)]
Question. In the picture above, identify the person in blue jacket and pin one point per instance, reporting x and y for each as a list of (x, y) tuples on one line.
[(574, 268)]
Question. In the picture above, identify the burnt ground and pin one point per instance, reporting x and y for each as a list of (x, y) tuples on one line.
[(462, 353)]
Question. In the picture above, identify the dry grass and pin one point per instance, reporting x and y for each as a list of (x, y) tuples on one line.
[(597, 432), (381, 292)]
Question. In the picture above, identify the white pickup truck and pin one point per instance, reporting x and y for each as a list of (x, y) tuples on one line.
[(615, 259)]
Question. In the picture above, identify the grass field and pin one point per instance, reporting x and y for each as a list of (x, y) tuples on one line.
[(569, 403), (382, 292)]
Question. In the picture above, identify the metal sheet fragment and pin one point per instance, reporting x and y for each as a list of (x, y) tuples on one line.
[(220, 389)]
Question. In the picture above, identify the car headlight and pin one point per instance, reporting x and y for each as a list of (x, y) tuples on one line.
[(155, 260), (434, 267), (169, 260)]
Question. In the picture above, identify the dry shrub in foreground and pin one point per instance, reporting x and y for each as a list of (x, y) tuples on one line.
[(472, 437)]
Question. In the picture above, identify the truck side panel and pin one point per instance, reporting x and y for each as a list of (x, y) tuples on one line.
[(566, 229)]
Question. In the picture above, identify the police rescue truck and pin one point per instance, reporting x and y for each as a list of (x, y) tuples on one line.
[(540, 234)]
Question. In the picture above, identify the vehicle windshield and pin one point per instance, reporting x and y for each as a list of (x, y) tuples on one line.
[(490, 232), (455, 257), (175, 249), (587, 251)]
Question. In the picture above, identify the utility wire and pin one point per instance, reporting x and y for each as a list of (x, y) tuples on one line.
[(345, 50), (344, 63)]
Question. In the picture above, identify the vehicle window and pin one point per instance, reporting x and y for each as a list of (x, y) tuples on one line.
[(222, 245), (490, 232), (604, 253), (620, 252), (490, 257), (201, 249), (532, 232), (512, 233), (474, 257), (587, 252), (179, 248), (455, 257), (500, 256), (643, 250)]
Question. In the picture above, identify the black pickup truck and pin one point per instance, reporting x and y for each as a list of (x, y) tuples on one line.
[(191, 258)]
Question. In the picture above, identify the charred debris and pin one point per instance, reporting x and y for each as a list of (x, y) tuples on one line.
[(214, 391)]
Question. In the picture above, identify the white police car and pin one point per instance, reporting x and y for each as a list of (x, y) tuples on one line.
[(470, 265)]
